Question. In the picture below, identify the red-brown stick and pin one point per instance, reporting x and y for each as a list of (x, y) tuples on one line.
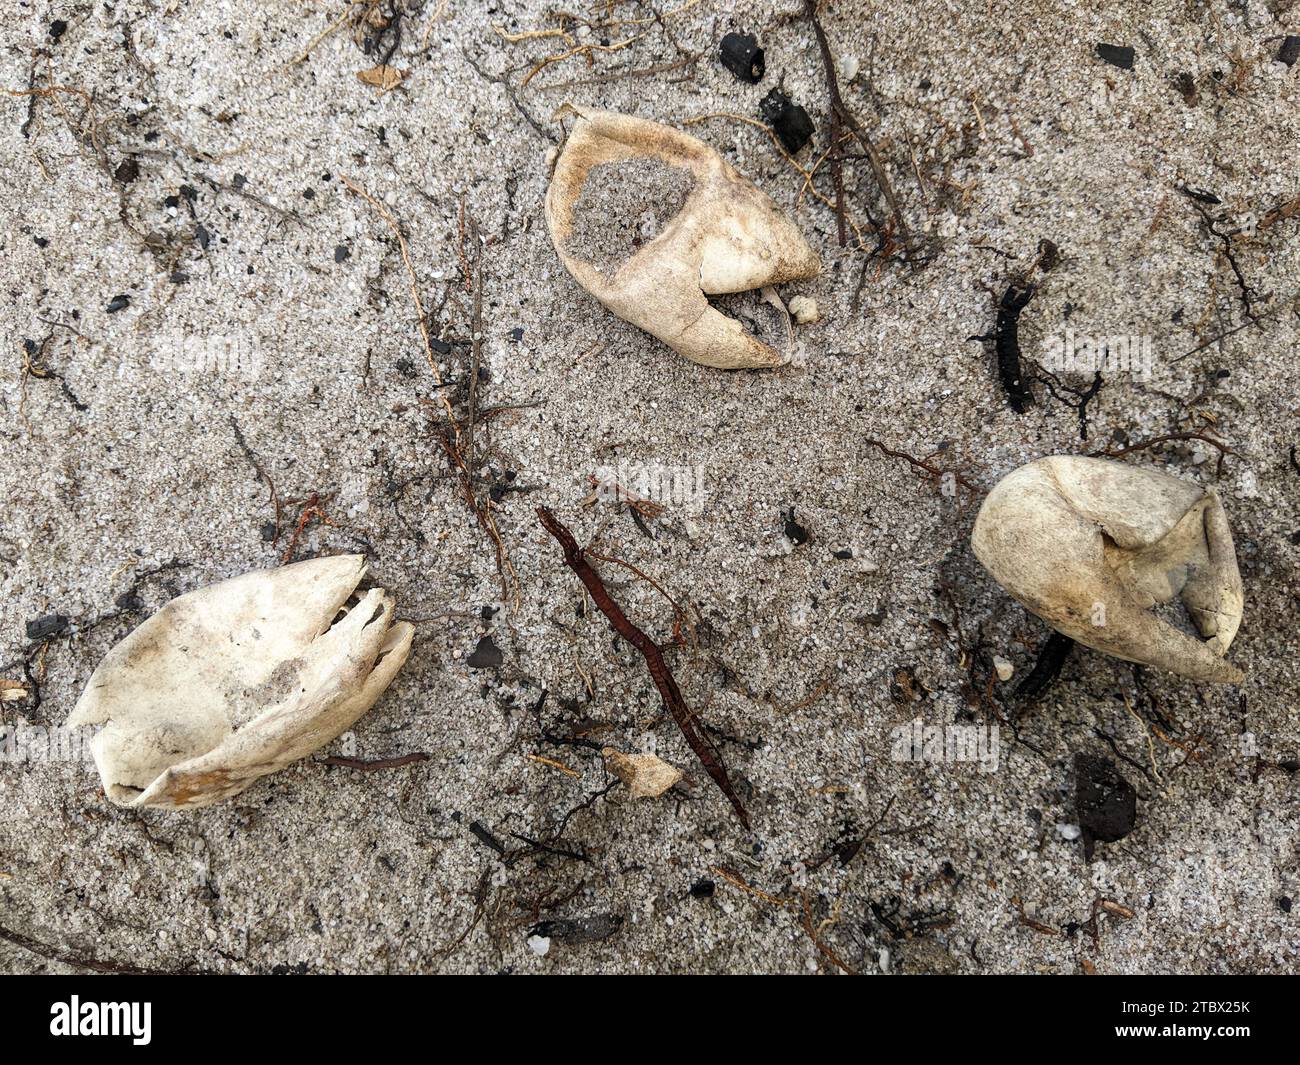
[(710, 757), (377, 763)]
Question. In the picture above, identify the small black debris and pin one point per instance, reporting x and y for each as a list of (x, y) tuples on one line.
[(487, 655), (1201, 196), (1284, 903), (47, 625), (42, 242), (1049, 255), (127, 171), (202, 235), (843, 554), (440, 346), (1290, 50), (703, 889), (517, 334), (482, 834), (1006, 344), (238, 182), (788, 120), (308, 194), (129, 601), (905, 687), (341, 252), (269, 531), (796, 532), (190, 193), (1186, 86), (57, 29), (507, 484), (741, 55), (179, 277), (847, 850), (1051, 658), (405, 367), (171, 202), (1105, 802), (592, 929), (1116, 55), (118, 303)]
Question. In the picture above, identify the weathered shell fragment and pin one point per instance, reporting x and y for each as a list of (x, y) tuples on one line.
[(1092, 546), (234, 681), (647, 776), (720, 236)]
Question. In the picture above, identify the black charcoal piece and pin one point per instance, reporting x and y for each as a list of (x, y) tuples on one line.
[(487, 655), (1289, 52), (1106, 803), (47, 625), (592, 929), (788, 120), (797, 533), (1116, 55), (118, 303), (741, 55)]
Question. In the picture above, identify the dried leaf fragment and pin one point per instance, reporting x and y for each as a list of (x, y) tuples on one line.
[(647, 776), (382, 77)]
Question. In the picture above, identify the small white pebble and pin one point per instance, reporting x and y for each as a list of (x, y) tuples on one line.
[(1069, 831), (1004, 668), (803, 309), (539, 945)]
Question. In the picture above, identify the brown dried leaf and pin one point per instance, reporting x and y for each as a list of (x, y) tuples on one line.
[(646, 776), (383, 77)]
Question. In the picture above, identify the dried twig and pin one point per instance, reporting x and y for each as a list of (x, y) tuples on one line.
[(369, 766), (709, 755), (938, 473), (582, 49), (1116, 453), (393, 224), (67, 957), (841, 114)]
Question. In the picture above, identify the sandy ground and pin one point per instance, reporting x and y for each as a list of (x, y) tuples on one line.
[(178, 157)]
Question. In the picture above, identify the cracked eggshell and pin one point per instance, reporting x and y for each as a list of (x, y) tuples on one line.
[(728, 237), (1091, 546), (236, 680)]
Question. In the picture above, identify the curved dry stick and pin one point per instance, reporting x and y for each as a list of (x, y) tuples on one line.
[(709, 755)]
